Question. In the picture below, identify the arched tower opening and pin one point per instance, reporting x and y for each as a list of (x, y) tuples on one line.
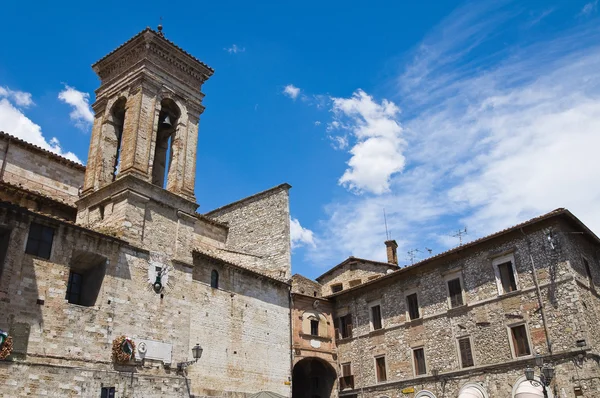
[(115, 135), (165, 134)]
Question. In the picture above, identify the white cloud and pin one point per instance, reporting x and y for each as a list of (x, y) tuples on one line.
[(234, 49), (589, 8), (299, 235), (13, 121), (490, 141), (20, 98), (291, 91), (317, 123), (81, 114), (377, 151)]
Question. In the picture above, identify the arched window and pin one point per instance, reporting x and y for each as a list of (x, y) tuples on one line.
[(163, 151), (114, 136), (214, 279)]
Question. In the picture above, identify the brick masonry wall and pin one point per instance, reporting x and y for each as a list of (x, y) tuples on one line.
[(251, 318), (485, 319), (38, 172), (260, 225)]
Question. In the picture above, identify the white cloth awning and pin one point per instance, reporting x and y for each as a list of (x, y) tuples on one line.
[(472, 390), (528, 389)]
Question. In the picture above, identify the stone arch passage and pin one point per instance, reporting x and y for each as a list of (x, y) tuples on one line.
[(313, 378)]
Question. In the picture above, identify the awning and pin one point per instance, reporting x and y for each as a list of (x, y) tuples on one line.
[(266, 394), (472, 390), (529, 389)]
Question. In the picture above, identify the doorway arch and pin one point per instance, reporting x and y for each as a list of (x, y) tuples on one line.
[(313, 378)]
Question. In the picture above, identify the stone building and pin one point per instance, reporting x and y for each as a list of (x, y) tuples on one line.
[(91, 255), (467, 323)]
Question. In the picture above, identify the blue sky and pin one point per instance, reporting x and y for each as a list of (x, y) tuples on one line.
[(447, 114)]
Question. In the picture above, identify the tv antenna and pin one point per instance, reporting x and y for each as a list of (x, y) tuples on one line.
[(459, 234), (387, 234), (412, 254)]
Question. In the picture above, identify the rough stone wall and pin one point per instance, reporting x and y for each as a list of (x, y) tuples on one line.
[(358, 270), (485, 318), (56, 341), (305, 286), (260, 225), (39, 172), (244, 326)]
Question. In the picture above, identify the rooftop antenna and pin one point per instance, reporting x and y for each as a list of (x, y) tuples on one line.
[(160, 27), (387, 234), (429, 250), (412, 254), (459, 234)]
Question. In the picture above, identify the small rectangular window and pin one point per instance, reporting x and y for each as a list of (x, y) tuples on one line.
[(412, 303), (107, 392), (336, 288), (376, 317), (520, 341), (380, 369), (466, 356), (344, 326), (346, 369), (4, 242), (39, 242), (507, 277), (588, 271), (455, 293), (354, 282), (419, 358), (314, 327), (74, 288)]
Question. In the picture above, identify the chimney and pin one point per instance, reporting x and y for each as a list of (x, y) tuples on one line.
[(391, 251)]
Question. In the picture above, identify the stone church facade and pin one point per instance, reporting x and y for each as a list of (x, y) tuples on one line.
[(468, 322), (116, 252)]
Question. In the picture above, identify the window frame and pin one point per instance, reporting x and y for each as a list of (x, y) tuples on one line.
[(499, 260), (70, 283), (214, 279), (342, 329), (372, 305), (342, 367), (414, 360), (312, 324), (406, 302), (377, 374), (447, 279), (334, 287), (511, 339), (588, 271), (460, 361), (43, 227)]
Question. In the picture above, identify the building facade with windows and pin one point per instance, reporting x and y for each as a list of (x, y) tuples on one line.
[(468, 322), (109, 277)]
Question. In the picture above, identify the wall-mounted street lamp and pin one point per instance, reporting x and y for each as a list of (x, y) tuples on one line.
[(546, 373), (196, 352)]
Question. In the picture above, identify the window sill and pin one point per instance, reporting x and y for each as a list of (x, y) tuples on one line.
[(377, 331), (82, 307), (313, 337), (414, 322), (510, 294), (459, 308)]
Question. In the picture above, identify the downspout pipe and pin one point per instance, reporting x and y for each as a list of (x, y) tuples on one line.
[(538, 292)]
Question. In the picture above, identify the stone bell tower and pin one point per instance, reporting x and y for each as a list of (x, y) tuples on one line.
[(145, 132)]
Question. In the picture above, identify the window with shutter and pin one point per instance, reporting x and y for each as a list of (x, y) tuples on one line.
[(346, 369), (39, 241), (314, 327), (507, 277), (419, 358), (412, 303), (520, 341), (376, 317), (380, 368), (455, 292), (466, 356)]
